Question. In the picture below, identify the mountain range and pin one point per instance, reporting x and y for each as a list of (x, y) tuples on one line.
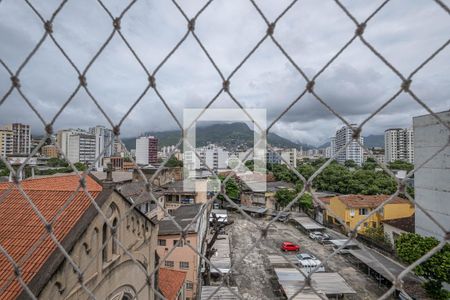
[(373, 140), (230, 135)]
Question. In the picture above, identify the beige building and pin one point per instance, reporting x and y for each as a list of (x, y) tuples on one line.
[(265, 199), (176, 194), (183, 258), (49, 151), (108, 272), (21, 137), (6, 142)]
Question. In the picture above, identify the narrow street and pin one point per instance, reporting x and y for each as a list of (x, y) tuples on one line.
[(255, 277)]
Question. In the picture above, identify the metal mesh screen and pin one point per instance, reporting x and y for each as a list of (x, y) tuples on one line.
[(404, 86)]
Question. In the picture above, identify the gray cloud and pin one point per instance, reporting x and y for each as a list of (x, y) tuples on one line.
[(406, 32)]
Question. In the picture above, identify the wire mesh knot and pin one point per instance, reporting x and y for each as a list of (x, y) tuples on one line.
[(271, 28), (398, 283), (80, 278), (48, 227), (405, 85), (83, 182), (447, 235), (191, 25), (183, 234), (152, 81), (356, 133), (49, 129), (116, 23), (116, 130), (360, 29), (15, 81), (82, 79), (402, 187), (48, 27), (226, 85), (17, 271), (310, 86), (15, 178), (353, 233)]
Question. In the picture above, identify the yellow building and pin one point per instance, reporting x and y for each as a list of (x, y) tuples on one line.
[(353, 208)]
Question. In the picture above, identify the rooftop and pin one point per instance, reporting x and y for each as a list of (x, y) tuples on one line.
[(20, 232), (372, 201), (406, 224), (183, 215), (170, 282)]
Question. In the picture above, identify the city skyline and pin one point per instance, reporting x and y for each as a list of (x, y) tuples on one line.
[(354, 88)]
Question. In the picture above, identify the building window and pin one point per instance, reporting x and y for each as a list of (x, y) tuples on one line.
[(178, 243), (114, 236), (184, 265), (104, 243), (189, 285), (363, 211), (161, 242), (169, 263)]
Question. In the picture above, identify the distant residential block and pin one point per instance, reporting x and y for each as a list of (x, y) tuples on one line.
[(399, 145), (21, 137), (354, 151), (146, 150), (49, 151)]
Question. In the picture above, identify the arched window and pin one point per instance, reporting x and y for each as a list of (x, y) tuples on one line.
[(104, 239), (114, 236)]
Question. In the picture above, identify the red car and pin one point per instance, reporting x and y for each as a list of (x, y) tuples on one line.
[(288, 246)]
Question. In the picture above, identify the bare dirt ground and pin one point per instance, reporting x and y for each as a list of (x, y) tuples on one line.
[(255, 277)]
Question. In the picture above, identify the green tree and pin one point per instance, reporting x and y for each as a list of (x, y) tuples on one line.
[(369, 164), (306, 170), (410, 247), (232, 189), (284, 196), (305, 202), (400, 165), (80, 166), (173, 162), (377, 235), (350, 164)]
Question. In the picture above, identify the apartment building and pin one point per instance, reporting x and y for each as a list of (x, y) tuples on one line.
[(354, 151), (210, 156), (399, 145), (6, 142), (49, 151), (81, 148), (146, 150), (21, 137), (183, 258), (289, 156), (104, 144), (432, 180), (353, 208)]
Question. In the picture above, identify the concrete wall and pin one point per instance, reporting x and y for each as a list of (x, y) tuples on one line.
[(432, 181)]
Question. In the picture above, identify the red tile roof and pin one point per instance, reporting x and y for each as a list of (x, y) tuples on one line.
[(325, 200), (170, 282), (372, 201), (21, 229)]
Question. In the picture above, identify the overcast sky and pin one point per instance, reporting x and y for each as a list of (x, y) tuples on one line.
[(406, 32)]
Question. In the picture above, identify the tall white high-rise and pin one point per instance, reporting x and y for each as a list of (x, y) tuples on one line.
[(81, 148), (146, 150), (354, 151), (399, 145), (104, 145)]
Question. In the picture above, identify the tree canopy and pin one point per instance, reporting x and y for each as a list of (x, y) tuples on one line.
[(436, 269)]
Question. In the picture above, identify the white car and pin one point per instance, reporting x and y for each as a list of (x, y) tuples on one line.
[(308, 262), (319, 236)]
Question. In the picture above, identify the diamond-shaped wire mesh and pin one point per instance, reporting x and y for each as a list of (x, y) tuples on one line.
[(51, 238)]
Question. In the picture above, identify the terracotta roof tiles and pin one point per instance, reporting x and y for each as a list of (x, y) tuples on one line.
[(21, 229), (371, 201), (170, 282)]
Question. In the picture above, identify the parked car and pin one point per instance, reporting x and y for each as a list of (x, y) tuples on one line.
[(308, 262), (288, 246), (283, 216), (319, 236)]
